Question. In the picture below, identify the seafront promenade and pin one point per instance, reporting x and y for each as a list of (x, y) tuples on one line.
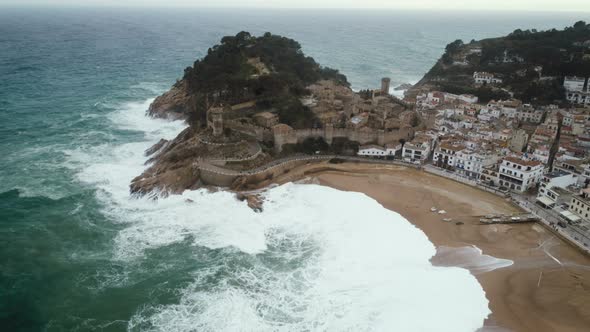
[(574, 234), (577, 235)]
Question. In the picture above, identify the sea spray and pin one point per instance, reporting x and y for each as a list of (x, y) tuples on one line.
[(315, 259)]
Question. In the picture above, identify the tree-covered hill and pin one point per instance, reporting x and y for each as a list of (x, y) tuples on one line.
[(531, 63), (270, 69)]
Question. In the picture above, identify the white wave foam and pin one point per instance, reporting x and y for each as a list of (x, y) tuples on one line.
[(316, 259), (351, 265), (469, 257)]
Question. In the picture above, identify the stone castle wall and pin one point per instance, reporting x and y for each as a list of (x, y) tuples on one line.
[(363, 136), (257, 132)]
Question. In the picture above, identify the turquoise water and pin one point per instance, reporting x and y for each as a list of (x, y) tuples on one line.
[(69, 78)]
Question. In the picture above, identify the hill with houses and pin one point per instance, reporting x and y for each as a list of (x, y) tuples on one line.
[(529, 65)]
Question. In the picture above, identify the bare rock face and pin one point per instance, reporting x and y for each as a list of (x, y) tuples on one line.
[(240, 183), (170, 181), (172, 170), (254, 201), (173, 104), (156, 147)]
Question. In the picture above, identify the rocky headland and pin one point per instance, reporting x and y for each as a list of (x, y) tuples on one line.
[(252, 104)]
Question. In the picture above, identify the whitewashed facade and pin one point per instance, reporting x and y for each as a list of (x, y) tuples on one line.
[(520, 175), (485, 78)]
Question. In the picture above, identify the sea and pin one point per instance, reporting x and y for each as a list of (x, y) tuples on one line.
[(78, 253)]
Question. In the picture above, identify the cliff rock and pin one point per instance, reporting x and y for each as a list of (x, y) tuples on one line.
[(172, 167), (174, 104)]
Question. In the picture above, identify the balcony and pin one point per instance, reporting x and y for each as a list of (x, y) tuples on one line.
[(510, 179)]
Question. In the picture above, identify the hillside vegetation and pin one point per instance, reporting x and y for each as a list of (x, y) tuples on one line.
[(270, 69), (531, 63)]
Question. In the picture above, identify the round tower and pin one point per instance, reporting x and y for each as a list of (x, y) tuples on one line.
[(385, 85), (215, 120)]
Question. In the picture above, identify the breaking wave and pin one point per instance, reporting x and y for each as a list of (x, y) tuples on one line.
[(315, 259)]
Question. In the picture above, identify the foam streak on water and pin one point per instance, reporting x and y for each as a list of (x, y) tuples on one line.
[(469, 257), (316, 259)]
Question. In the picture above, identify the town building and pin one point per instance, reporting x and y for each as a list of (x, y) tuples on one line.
[(446, 155), (519, 174), (578, 98), (482, 77), (580, 207), (577, 90), (574, 84), (418, 149), (372, 151), (470, 163), (527, 113), (554, 188)]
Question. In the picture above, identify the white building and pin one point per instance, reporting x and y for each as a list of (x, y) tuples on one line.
[(520, 175), (466, 98), (577, 90), (509, 107), (372, 151), (527, 113), (470, 99), (471, 163), (418, 149), (578, 98), (484, 117), (574, 84), (541, 153), (580, 207), (505, 108), (446, 155), (553, 190), (481, 77), (392, 149)]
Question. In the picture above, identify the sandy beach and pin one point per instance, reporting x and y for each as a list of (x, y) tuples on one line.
[(546, 289)]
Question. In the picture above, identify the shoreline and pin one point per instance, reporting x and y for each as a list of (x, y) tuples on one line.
[(547, 286)]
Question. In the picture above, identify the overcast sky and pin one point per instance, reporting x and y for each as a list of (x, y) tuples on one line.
[(533, 5)]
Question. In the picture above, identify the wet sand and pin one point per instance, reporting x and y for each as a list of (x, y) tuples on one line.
[(546, 289)]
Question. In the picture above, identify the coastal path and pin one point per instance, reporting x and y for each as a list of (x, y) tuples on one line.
[(579, 235), (203, 164)]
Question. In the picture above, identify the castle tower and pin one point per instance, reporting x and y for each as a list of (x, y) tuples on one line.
[(329, 133), (215, 120), (385, 85)]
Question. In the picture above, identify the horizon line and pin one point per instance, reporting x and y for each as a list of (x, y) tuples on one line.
[(157, 6)]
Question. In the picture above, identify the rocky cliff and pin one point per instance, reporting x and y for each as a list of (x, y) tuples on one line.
[(174, 104), (171, 169)]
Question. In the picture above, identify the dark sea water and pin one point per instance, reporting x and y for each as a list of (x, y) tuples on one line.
[(75, 252)]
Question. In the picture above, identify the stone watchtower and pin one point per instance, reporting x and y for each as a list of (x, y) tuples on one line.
[(215, 120), (385, 85)]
